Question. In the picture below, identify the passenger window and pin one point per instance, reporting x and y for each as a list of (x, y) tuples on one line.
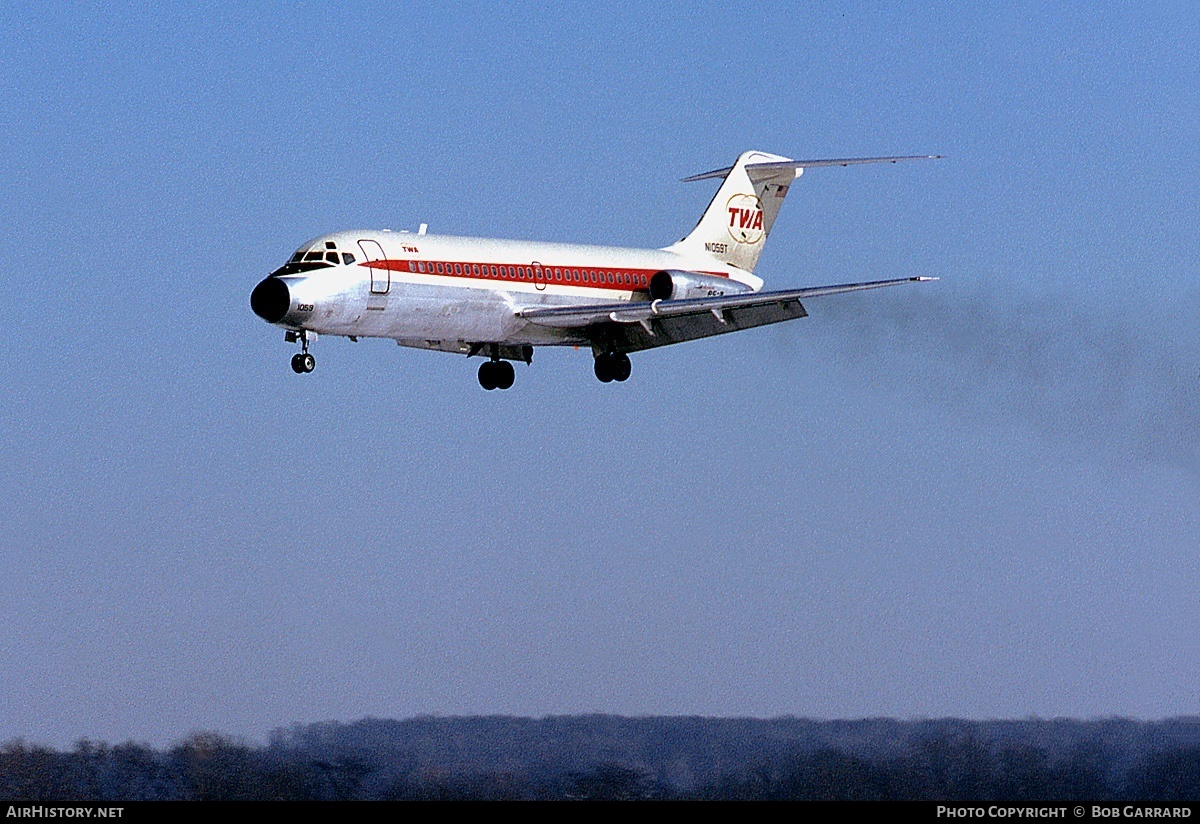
[(421, 266), (347, 258), (458, 268), (439, 268)]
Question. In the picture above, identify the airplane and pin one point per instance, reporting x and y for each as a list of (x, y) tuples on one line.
[(501, 298)]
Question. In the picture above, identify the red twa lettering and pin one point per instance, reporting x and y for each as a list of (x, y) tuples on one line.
[(745, 218)]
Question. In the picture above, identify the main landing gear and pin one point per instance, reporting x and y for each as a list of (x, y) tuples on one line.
[(497, 371), (613, 366), (302, 362), (496, 374)]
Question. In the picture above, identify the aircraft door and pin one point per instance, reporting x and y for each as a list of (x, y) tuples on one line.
[(381, 276)]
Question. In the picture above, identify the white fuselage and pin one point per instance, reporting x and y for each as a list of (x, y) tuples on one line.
[(449, 293)]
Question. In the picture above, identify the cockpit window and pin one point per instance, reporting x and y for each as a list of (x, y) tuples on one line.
[(347, 258), (329, 244), (308, 260)]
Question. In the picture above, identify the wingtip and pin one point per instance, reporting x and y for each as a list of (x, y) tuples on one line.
[(923, 279)]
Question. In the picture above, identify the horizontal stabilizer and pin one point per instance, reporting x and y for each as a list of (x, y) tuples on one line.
[(773, 169)]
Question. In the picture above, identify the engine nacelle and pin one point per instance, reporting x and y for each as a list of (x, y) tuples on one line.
[(673, 284)]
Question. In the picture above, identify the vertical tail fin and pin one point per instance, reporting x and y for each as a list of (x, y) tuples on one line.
[(736, 223)]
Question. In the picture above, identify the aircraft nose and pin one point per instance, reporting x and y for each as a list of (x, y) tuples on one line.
[(271, 300)]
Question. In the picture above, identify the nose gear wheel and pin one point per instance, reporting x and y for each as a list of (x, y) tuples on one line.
[(303, 363)]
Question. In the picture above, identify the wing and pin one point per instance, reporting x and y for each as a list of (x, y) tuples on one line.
[(629, 327)]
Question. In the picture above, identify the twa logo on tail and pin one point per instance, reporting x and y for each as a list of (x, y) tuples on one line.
[(745, 218)]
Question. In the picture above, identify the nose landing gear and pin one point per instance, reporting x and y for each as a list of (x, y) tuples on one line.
[(302, 362), (613, 366)]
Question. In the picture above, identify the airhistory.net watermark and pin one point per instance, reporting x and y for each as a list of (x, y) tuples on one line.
[(45, 811)]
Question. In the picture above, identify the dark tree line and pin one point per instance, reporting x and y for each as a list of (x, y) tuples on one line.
[(607, 757)]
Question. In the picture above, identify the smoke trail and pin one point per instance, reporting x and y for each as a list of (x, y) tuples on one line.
[(1121, 378)]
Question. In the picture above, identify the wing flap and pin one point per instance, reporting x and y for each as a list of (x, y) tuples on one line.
[(661, 331)]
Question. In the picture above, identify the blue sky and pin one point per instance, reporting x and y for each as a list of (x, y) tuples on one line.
[(976, 498)]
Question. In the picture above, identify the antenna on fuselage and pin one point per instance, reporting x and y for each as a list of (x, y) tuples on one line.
[(423, 229)]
